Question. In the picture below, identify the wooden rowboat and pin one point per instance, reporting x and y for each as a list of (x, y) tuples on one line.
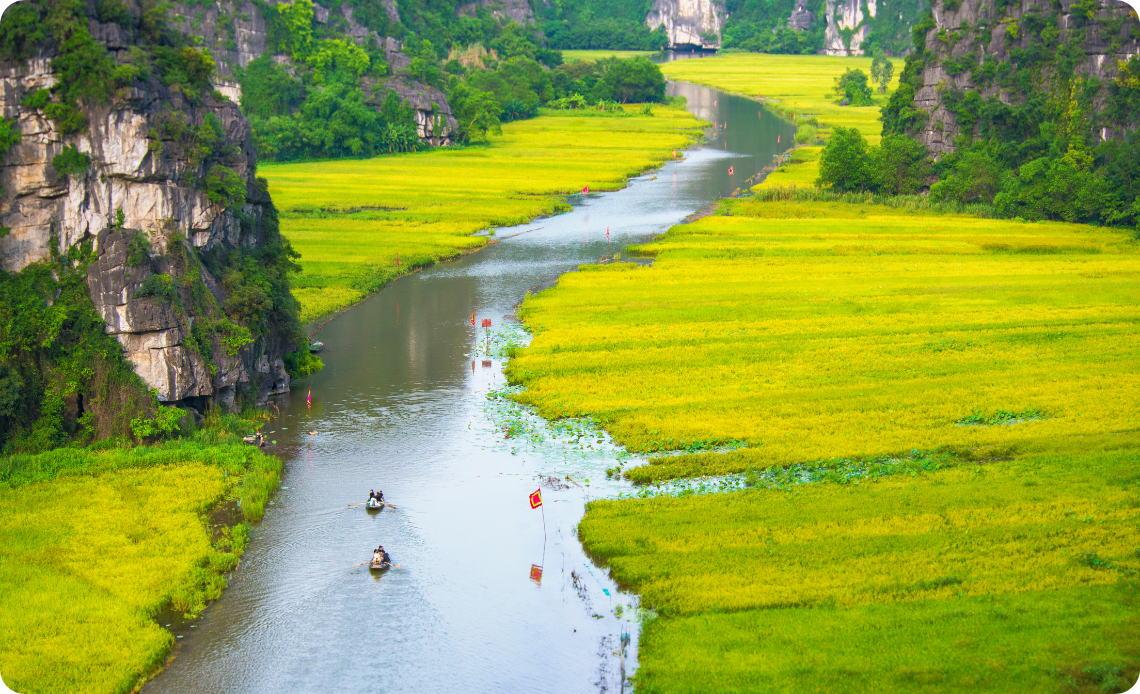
[(315, 347), (373, 505), (377, 565)]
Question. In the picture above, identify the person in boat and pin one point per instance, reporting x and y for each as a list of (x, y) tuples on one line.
[(380, 496), (384, 555), (371, 494), (378, 555)]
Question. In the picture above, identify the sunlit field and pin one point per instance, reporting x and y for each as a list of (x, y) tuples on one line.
[(810, 331), (93, 545), (351, 220), (799, 84), (835, 336), (1008, 576), (591, 56)]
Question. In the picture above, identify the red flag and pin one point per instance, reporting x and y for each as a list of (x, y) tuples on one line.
[(397, 260), (536, 498), (472, 318), (309, 400), (607, 232), (730, 171), (486, 322), (536, 573), (777, 138), (586, 190)]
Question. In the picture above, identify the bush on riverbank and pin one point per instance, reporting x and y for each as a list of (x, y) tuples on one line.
[(93, 544)]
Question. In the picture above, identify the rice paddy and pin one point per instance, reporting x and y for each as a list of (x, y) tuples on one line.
[(800, 85), (591, 56), (820, 334), (94, 545), (358, 224)]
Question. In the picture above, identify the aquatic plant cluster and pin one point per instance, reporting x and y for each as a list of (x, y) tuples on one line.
[(360, 224)]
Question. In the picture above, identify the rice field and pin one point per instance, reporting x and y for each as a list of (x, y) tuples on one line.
[(358, 224), (94, 545), (815, 334), (592, 56), (793, 84), (815, 331)]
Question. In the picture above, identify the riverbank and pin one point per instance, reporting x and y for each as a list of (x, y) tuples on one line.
[(798, 86), (359, 224), (988, 362), (95, 544)]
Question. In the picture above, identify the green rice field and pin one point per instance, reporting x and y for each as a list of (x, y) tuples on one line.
[(591, 56), (93, 545), (798, 85), (827, 334), (358, 224)]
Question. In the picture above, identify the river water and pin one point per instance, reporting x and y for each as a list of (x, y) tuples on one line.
[(484, 601)]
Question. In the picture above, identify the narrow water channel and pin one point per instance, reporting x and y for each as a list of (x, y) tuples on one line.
[(482, 603)]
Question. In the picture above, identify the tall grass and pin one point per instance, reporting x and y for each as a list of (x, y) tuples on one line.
[(359, 224), (93, 544)]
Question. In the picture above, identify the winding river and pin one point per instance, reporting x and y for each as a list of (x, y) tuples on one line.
[(483, 601)]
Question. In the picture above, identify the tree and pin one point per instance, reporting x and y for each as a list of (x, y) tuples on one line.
[(898, 166), (852, 86), (631, 81), (842, 164), (882, 70), (477, 112), (974, 177)]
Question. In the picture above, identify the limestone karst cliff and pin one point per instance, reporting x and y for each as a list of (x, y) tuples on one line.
[(689, 23), (848, 22), (153, 175), (975, 50)]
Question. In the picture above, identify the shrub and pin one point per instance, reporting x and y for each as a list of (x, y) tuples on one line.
[(71, 163), (302, 363), (162, 425), (852, 86), (225, 186), (842, 164)]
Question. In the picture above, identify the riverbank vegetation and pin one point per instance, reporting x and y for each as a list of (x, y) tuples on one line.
[(360, 224), (94, 544), (811, 331)]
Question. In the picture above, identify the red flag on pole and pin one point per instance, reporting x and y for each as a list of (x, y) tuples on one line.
[(536, 573), (472, 318), (536, 498), (309, 400), (729, 170), (586, 190), (607, 232)]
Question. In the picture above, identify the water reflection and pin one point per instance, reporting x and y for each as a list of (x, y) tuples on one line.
[(484, 601)]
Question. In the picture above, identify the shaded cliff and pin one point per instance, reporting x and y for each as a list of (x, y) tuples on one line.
[(130, 170)]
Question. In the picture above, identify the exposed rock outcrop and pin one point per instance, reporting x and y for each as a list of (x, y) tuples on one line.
[(689, 23), (973, 32), (147, 176), (801, 18), (846, 17)]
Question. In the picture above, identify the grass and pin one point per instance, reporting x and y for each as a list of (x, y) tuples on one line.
[(352, 220), (799, 85), (591, 56), (817, 330), (94, 544), (1010, 576)]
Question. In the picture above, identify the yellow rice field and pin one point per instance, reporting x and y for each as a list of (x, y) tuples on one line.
[(351, 220), (811, 331)]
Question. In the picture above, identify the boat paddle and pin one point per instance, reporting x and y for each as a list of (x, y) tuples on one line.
[(360, 504)]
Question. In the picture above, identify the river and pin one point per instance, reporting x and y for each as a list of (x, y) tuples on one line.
[(484, 602)]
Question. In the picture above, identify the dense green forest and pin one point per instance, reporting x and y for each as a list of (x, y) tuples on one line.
[(609, 24), (490, 70), (1040, 157)]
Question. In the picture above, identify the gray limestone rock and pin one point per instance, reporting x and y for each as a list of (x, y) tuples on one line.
[(689, 23)]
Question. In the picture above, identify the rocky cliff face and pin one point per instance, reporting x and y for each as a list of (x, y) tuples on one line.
[(847, 26), (236, 34), (689, 23), (139, 184), (971, 40), (515, 10)]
